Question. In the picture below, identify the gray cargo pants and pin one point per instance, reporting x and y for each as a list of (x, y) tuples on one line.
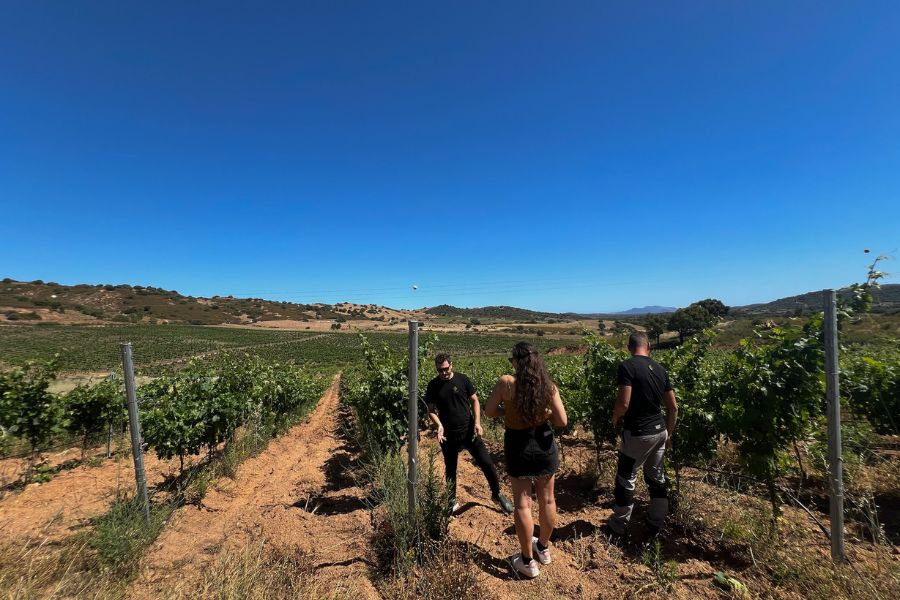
[(635, 452)]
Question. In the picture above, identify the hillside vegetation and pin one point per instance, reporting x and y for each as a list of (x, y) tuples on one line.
[(509, 313), (886, 301), (40, 301), (49, 302)]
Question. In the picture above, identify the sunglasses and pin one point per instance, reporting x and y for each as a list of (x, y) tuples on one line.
[(443, 369)]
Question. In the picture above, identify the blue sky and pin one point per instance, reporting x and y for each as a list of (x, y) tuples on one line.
[(578, 156)]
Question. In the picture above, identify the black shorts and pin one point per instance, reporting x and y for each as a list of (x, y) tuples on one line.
[(531, 453)]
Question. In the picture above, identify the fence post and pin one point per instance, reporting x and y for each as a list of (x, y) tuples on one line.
[(134, 425), (109, 436), (413, 437), (109, 429), (835, 457)]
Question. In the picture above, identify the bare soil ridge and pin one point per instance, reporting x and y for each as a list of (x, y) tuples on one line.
[(292, 495), (57, 508)]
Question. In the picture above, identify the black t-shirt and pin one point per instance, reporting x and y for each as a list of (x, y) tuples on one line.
[(648, 381), (451, 398)]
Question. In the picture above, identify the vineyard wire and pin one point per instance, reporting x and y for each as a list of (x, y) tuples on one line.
[(780, 488), (802, 506)]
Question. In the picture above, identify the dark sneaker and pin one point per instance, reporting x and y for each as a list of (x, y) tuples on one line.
[(611, 533), (653, 532), (503, 502)]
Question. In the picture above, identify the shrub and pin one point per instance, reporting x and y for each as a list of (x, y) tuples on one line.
[(380, 395), (403, 540), (27, 409), (91, 409), (120, 536), (600, 370)]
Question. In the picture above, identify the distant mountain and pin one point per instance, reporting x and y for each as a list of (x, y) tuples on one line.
[(887, 300), (648, 310)]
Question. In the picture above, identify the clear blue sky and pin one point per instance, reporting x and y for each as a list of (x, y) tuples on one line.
[(579, 156)]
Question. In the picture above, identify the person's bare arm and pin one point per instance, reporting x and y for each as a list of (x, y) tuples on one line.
[(432, 414), (557, 411), (476, 410), (622, 402), (497, 397), (671, 415)]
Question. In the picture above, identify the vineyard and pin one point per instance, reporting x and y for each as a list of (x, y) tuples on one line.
[(748, 470), (159, 347), (751, 419)]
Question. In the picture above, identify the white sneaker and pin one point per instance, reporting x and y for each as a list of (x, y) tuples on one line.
[(543, 556), (454, 508), (529, 570)]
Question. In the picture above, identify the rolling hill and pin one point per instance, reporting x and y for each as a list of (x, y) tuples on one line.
[(37, 301), (887, 300), (507, 313)]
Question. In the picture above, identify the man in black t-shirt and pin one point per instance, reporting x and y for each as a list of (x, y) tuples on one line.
[(643, 389), (453, 406)]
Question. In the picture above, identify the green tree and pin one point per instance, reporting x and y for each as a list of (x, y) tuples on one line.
[(656, 326), (714, 307), (696, 317), (690, 320)]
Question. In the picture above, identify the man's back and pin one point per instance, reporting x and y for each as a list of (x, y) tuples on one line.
[(648, 381)]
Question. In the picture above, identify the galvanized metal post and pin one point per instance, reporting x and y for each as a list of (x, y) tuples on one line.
[(134, 424), (109, 429), (835, 457), (413, 437), (109, 434)]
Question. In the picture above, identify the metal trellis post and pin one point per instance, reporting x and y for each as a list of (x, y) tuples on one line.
[(835, 458), (134, 425), (413, 437), (109, 429)]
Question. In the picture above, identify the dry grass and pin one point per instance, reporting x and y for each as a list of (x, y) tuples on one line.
[(590, 552), (38, 569), (450, 574), (790, 561), (261, 571)]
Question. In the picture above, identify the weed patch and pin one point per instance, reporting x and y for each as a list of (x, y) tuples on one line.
[(120, 536)]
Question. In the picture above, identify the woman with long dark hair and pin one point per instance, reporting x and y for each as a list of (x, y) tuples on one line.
[(529, 403)]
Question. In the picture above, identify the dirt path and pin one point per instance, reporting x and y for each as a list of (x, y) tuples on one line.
[(585, 564), (294, 495), (65, 503)]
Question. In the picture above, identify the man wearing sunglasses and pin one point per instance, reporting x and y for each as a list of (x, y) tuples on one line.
[(453, 407)]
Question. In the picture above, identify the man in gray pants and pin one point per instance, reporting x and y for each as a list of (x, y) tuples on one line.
[(643, 388)]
